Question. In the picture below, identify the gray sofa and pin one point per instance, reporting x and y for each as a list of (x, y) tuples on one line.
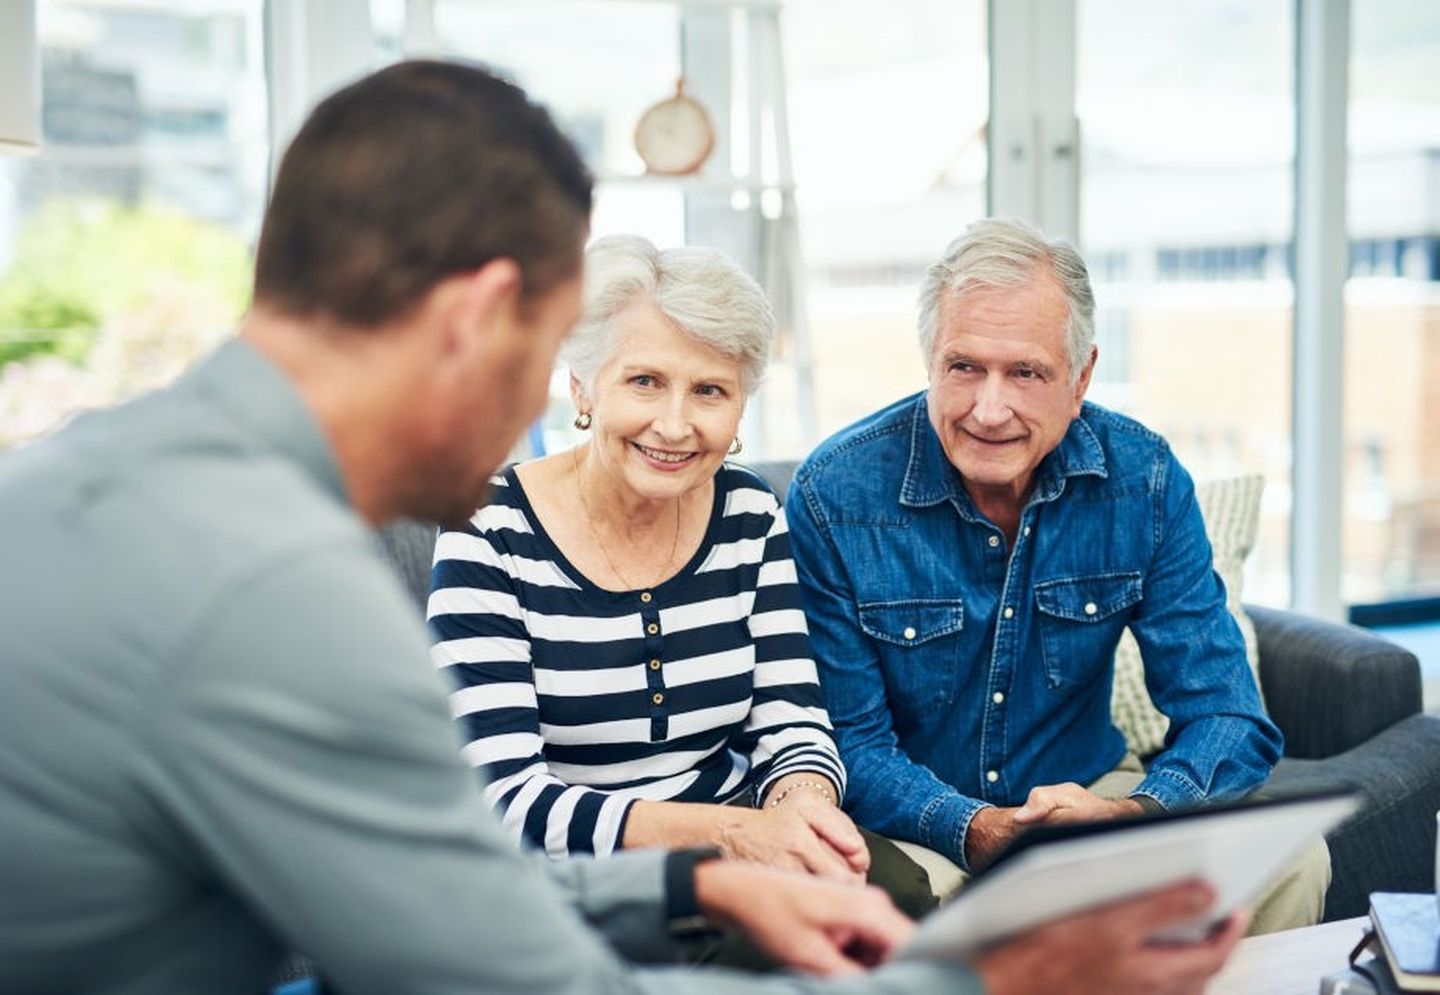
[(1348, 702)]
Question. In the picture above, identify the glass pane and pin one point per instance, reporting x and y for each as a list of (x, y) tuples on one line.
[(1392, 327), (125, 244), (1187, 124), (888, 130), (597, 67)]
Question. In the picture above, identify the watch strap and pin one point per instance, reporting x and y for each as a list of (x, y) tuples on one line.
[(682, 907)]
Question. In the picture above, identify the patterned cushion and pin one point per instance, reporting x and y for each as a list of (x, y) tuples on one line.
[(1231, 509)]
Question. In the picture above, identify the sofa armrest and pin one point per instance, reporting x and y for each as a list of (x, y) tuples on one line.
[(1330, 687), (1389, 845)]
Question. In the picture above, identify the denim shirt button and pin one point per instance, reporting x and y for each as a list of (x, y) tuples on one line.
[(994, 541), (909, 632), (1009, 612), (1026, 531), (1090, 608), (992, 776), (998, 697)]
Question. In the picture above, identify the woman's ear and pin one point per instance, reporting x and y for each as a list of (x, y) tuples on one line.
[(578, 394)]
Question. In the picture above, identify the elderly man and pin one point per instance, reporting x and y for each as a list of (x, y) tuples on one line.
[(220, 735), (969, 558)]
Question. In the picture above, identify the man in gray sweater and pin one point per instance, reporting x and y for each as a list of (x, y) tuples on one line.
[(219, 735)]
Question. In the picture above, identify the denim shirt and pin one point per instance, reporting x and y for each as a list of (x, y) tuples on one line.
[(960, 672)]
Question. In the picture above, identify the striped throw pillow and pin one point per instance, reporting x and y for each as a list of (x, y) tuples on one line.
[(1231, 509)]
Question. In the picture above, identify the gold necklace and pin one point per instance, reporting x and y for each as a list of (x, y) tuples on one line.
[(595, 533)]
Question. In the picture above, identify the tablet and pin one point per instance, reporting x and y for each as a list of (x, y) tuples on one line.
[(1050, 872)]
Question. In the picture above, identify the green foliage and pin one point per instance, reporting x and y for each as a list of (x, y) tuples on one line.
[(79, 264)]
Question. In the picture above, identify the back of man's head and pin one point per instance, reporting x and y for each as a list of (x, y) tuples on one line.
[(413, 174)]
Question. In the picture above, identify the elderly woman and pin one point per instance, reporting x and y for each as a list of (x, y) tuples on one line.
[(623, 621)]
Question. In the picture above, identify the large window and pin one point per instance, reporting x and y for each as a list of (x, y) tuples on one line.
[(852, 147), (1392, 317), (1187, 123), (124, 245)]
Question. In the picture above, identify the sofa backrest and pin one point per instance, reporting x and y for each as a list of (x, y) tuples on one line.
[(409, 546)]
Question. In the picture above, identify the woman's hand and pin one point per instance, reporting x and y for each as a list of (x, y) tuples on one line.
[(805, 831), (830, 825)]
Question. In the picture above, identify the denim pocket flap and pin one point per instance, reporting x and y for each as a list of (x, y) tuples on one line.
[(1089, 599), (910, 623)]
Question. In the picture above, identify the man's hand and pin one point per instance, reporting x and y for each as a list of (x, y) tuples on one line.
[(1050, 804), (801, 921), (992, 829), (810, 836), (1108, 951)]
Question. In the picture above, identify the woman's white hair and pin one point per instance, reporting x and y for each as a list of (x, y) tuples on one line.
[(709, 298), (997, 252)]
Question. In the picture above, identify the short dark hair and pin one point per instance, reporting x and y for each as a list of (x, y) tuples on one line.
[(412, 174)]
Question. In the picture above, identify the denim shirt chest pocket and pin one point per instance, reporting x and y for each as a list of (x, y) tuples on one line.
[(1080, 620), (918, 642)]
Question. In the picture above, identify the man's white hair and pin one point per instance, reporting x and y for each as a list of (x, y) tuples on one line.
[(997, 252), (711, 299)]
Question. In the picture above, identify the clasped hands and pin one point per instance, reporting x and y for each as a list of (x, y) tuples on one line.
[(806, 832)]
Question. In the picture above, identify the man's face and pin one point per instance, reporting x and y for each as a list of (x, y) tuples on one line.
[(1001, 397)]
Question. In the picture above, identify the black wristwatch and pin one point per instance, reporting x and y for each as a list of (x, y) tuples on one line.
[(682, 909)]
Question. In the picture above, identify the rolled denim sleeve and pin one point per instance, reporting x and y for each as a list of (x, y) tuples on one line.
[(1220, 742), (888, 793)]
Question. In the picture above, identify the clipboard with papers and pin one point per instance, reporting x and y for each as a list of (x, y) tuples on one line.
[(1053, 872)]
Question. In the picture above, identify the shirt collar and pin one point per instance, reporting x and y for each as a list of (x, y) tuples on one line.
[(259, 397), (930, 477)]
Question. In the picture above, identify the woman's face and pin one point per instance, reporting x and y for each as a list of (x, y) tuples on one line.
[(665, 407)]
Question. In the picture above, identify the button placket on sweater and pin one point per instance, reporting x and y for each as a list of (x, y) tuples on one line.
[(654, 657)]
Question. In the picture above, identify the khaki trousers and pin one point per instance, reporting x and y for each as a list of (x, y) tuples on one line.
[(1296, 899)]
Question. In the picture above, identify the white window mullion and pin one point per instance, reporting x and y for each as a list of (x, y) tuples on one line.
[(1034, 140), (422, 40), (1321, 263), (312, 48)]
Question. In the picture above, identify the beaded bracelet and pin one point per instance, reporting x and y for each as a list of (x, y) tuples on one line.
[(823, 788)]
